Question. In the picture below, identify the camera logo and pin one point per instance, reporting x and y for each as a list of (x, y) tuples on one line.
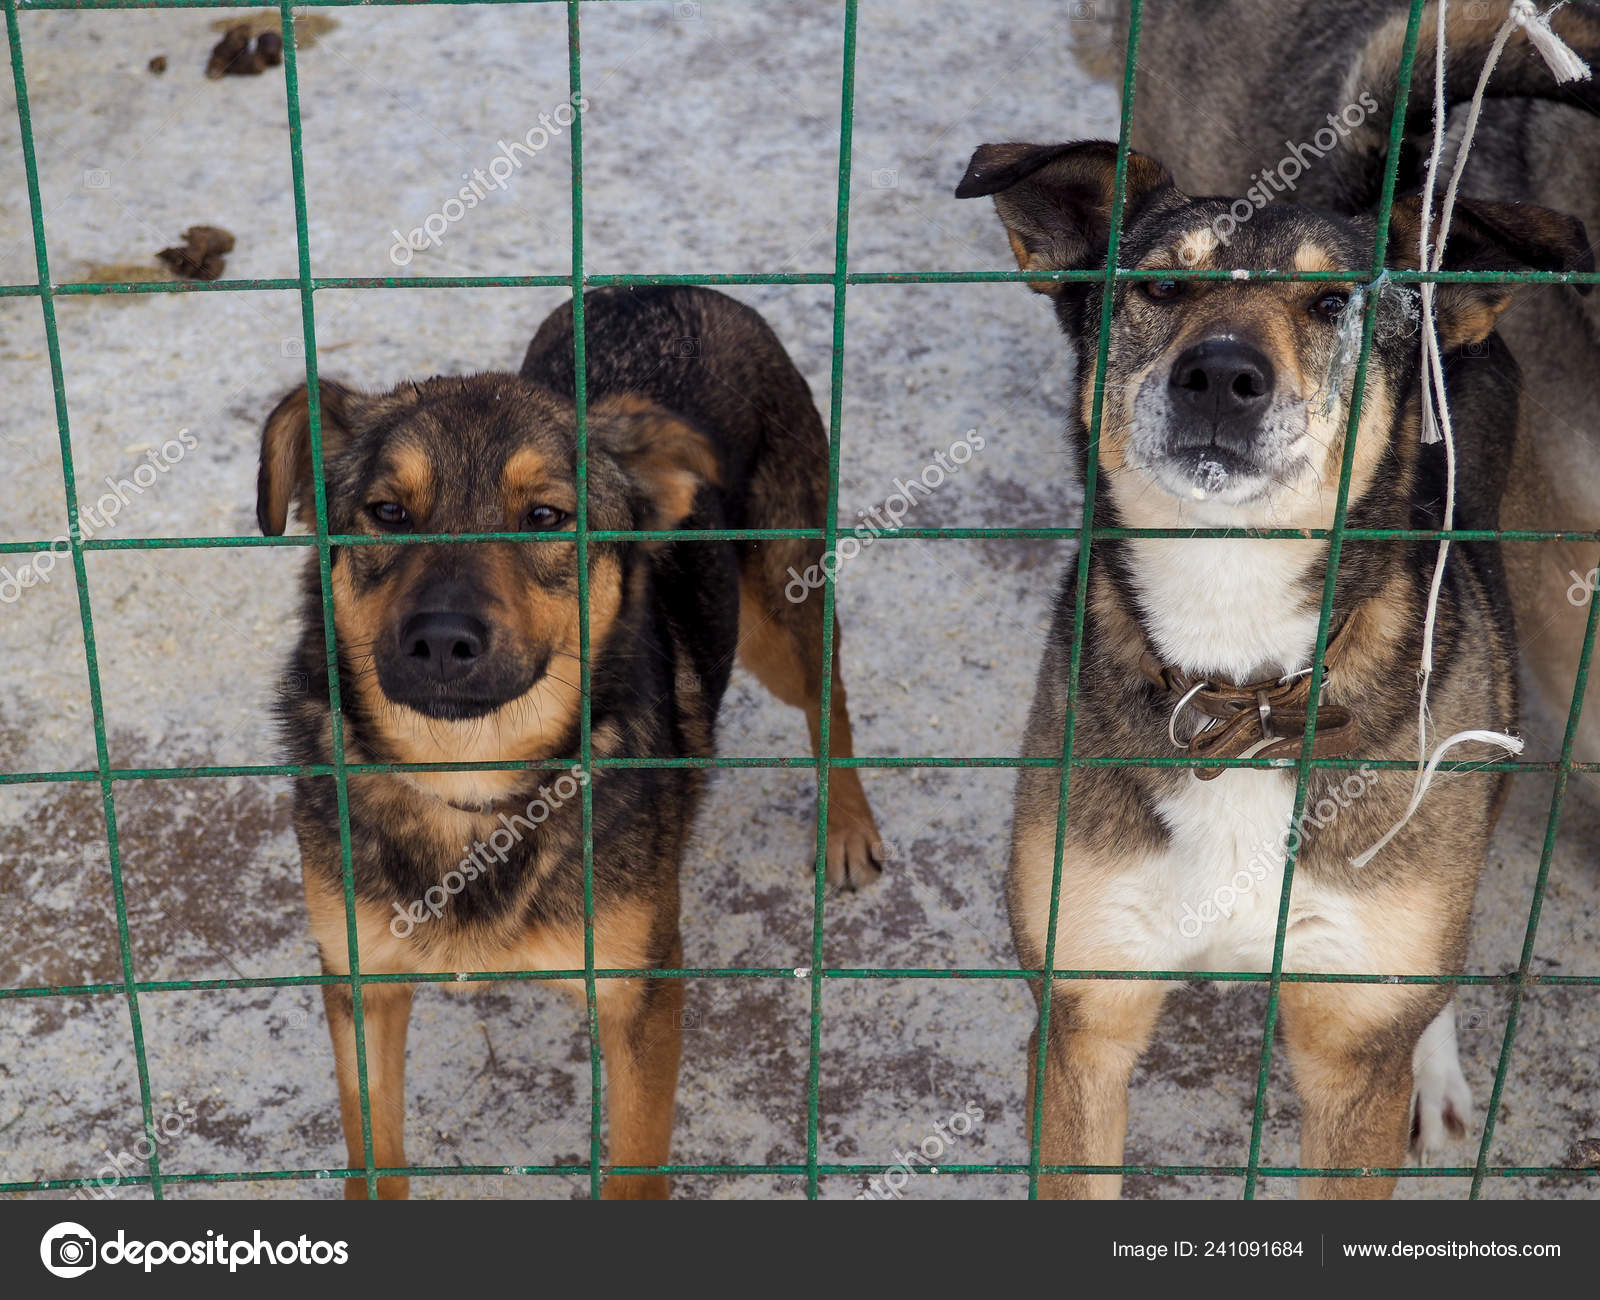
[(293, 684), (68, 1250)]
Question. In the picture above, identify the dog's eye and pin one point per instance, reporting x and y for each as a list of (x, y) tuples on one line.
[(389, 514), (1330, 305), (545, 519), (1162, 290)]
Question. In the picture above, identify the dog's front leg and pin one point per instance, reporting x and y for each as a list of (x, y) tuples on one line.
[(641, 1038), (1352, 1068), (385, 1015), (1097, 1032)]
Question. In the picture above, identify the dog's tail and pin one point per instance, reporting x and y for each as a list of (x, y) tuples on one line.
[(1470, 31)]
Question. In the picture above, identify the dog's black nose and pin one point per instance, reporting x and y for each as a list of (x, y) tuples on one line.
[(443, 645), (1222, 380)]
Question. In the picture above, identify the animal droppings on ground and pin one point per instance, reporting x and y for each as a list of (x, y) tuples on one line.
[(235, 56), (201, 255)]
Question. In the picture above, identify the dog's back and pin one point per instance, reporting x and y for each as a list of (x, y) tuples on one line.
[(717, 363)]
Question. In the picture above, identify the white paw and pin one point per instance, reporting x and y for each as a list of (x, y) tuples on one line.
[(1441, 1100)]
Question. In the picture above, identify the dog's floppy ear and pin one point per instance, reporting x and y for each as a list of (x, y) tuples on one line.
[(665, 458), (285, 473), (1488, 236), (1055, 199)]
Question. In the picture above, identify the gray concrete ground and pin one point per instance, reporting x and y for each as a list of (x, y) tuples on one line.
[(710, 145)]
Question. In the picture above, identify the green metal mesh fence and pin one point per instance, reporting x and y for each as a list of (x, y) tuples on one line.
[(817, 975)]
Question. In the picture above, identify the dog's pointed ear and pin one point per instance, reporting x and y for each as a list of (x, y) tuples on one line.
[(1055, 199), (285, 473), (666, 459), (1488, 236)]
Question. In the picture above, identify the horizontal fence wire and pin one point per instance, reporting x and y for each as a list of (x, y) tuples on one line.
[(102, 287), (1084, 536), (814, 534)]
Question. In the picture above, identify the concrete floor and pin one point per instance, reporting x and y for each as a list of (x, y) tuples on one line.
[(710, 145)]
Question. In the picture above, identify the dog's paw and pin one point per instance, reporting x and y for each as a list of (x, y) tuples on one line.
[(1441, 1099), (856, 852)]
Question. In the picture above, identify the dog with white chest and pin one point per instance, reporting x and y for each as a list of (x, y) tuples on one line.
[(1225, 406)]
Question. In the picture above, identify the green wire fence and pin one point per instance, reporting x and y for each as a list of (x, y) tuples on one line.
[(1086, 534)]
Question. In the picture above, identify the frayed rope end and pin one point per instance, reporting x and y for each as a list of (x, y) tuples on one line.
[(1564, 63)]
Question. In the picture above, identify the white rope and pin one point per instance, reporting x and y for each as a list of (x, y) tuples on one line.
[(1563, 61), (1436, 424), (1511, 743)]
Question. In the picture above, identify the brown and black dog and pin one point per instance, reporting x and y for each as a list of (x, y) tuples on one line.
[(469, 652), (1211, 91), (1225, 406)]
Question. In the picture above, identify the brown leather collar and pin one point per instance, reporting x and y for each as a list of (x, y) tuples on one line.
[(1264, 719)]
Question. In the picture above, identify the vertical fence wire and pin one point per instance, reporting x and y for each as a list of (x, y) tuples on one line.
[(580, 397), (80, 575), (841, 253), (308, 326), (1525, 963), (1358, 390), (1081, 596)]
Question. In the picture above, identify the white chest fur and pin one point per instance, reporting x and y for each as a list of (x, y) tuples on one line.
[(1226, 605), (1221, 878)]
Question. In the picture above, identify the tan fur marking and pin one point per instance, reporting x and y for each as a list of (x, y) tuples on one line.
[(1313, 257), (1079, 943), (793, 672), (529, 479), (1027, 261), (1100, 1030), (386, 1012), (285, 459), (411, 472), (1197, 249), (621, 940), (1371, 629), (666, 454), (1353, 1073)]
